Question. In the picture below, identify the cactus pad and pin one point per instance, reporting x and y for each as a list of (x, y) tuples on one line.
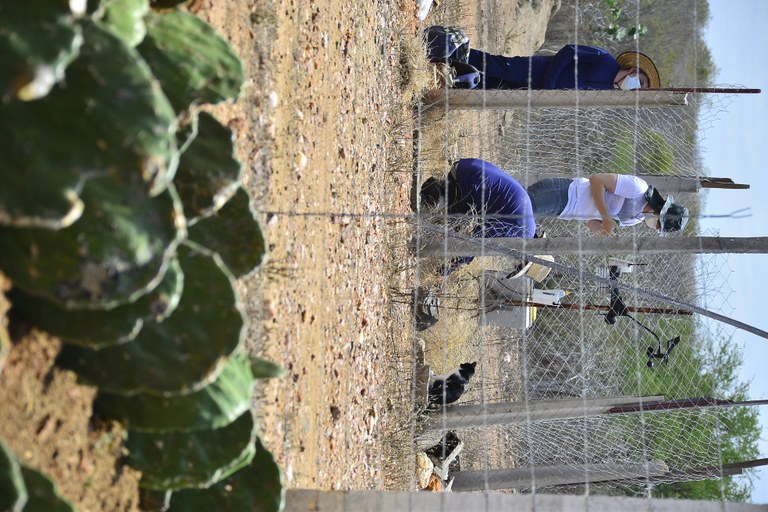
[(124, 18), (38, 40), (178, 460), (214, 406), (38, 190), (43, 495), (209, 171), (255, 487), (117, 251), (183, 353), (263, 369), (234, 234), (97, 329), (191, 60), (111, 118), (13, 492)]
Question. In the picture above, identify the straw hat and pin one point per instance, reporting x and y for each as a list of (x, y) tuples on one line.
[(644, 63)]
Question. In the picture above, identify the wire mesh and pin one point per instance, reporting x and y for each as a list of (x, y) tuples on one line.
[(571, 351)]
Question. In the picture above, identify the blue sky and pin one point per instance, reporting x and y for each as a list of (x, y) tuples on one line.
[(735, 148)]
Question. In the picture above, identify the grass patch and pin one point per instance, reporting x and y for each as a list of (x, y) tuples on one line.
[(648, 153)]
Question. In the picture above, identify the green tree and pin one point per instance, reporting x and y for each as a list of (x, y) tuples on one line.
[(615, 28), (701, 366)]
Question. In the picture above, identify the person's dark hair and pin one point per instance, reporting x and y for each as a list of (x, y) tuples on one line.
[(431, 192)]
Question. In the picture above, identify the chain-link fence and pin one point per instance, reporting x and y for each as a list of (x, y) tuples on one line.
[(557, 340)]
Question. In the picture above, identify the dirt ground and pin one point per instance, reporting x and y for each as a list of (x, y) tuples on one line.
[(324, 129), (314, 130)]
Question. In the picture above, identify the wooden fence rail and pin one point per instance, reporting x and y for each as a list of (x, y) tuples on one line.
[(301, 500)]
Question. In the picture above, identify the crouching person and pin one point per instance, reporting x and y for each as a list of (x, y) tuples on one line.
[(479, 188)]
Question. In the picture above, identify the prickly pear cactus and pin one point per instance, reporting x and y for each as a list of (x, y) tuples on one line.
[(214, 406), (13, 492), (255, 487), (209, 171), (178, 460), (38, 40), (39, 191), (191, 60), (97, 329), (124, 18), (263, 369), (111, 118), (43, 494), (234, 234), (182, 354), (115, 253)]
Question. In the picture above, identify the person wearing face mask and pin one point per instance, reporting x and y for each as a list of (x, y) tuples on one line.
[(505, 208), (572, 67), (605, 201)]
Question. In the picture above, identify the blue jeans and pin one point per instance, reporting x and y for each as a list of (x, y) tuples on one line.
[(549, 197)]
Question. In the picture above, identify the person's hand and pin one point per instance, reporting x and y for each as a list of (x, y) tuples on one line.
[(607, 226), (602, 227)]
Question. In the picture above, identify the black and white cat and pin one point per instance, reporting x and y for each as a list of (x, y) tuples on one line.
[(446, 389)]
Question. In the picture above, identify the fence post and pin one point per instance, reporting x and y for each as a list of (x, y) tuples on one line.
[(462, 99), (704, 473), (306, 500), (467, 416), (667, 184), (458, 246), (546, 476)]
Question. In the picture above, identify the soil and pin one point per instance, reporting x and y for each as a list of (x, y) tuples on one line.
[(314, 133), (324, 132)]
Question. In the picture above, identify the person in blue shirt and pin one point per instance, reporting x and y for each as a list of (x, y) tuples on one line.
[(479, 188), (573, 67)]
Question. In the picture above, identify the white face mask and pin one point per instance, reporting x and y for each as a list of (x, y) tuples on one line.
[(630, 82)]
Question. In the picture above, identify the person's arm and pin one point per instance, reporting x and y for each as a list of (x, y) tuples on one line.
[(595, 226), (599, 184), (567, 55)]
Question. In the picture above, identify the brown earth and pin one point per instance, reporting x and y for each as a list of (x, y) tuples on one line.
[(324, 134), (317, 150)]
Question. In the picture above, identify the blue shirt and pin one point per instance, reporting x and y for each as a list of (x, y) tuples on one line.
[(597, 69), (488, 191), (492, 194)]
